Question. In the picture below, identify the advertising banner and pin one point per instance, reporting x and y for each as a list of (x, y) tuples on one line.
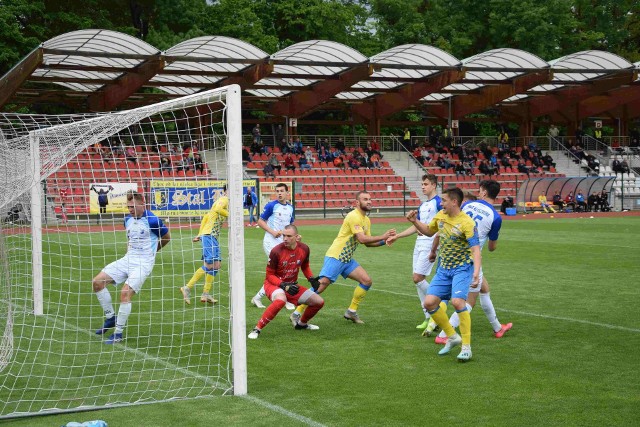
[(268, 192), (109, 197)]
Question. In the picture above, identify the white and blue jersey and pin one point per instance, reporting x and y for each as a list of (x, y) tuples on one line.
[(487, 219), (277, 216), (143, 234), (426, 212)]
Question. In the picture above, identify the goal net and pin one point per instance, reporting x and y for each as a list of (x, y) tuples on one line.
[(63, 201)]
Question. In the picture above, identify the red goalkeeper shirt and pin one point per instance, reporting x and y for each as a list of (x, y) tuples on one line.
[(284, 264)]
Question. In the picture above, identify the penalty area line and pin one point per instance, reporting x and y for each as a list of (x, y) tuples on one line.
[(522, 313)]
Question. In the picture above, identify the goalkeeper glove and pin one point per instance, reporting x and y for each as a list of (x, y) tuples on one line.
[(315, 283), (290, 288)]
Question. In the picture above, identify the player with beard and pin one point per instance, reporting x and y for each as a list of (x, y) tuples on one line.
[(338, 261)]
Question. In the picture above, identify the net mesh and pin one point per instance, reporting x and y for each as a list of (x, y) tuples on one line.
[(175, 153)]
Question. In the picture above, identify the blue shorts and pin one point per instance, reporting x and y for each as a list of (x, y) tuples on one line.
[(332, 268), (451, 282), (210, 249)]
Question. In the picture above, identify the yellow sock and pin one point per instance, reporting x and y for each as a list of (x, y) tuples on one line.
[(442, 320), (465, 326), (195, 278), (301, 308), (208, 284), (358, 295), (443, 306)]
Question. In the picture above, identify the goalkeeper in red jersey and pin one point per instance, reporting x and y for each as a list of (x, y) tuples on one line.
[(281, 284)]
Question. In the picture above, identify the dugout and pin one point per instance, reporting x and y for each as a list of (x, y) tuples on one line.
[(527, 196)]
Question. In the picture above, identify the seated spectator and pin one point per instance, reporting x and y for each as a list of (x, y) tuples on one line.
[(269, 172), (417, 153), (426, 156), (459, 169), (548, 162), (289, 163), (274, 162), (339, 163), (182, 165), (624, 166), (131, 155), (486, 169), (309, 155), (324, 155), (282, 144), (557, 200), (302, 161), (165, 164), (291, 146), (592, 163), (375, 161), (522, 168), (468, 167), (353, 163), (506, 203), (340, 146), (542, 199), (616, 166), (297, 146), (256, 147), (246, 156), (504, 161), (580, 202), (493, 160), (335, 153), (198, 164)]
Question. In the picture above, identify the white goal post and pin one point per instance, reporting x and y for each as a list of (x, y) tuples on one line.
[(62, 206)]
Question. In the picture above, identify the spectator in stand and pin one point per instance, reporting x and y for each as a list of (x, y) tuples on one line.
[(533, 147), (553, 131), (338, 162), (447, 135), (417, 153), (406, 139), (579, 135), (353, 162), (182, 165), (289, 164), (165, 164), (275, 163), (279, 135), (256, 133), (569, 202), (376, 148), (268, 171), (535, 161), (246, 156), (335, 153), (324, 155), (256, 147), (592, 163), (506, 203), (297, 146), (493, 161), (548, 162), (503, 140), (459, 169), (375, 161), (198, 164), (131, 155), (486, 169), (340, 146), (624, 167), (468, 167), (557, 200), (580, 202), (593, 202), (291, 146), (522, 168), (504, 161), (309, 155), (444, 162), (302, 161), (615, 166)]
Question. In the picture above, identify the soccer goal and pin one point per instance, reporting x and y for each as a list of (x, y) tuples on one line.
[(63, 200)]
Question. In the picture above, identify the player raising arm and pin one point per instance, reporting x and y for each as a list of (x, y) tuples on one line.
[(338, 261), (209, 234), (146, 235), (458, 268), (281, 284)]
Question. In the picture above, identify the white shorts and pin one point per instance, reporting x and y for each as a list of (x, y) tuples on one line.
[(477, 289), (269, 242), (133, 272), (421, 263)]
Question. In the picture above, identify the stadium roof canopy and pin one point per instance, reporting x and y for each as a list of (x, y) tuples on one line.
[(101, 70)]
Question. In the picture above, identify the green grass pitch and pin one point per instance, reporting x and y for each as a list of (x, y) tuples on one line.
[(570, 287)]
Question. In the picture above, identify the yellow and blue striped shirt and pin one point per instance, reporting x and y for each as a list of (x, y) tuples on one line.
[(457, 235), (346, 243), (212, 220)]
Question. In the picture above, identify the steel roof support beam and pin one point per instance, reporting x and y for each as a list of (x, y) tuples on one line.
[(300, 103), (405, 96), (113, 94), (12, 81)]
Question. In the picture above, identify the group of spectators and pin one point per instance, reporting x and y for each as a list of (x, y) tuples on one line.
[(190, 159), (579, 203)]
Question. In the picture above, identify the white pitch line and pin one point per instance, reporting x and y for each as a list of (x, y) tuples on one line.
[(523, 313), (207, 380)]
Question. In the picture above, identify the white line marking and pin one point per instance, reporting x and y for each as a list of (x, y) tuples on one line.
[(207, 380), (523, 313)]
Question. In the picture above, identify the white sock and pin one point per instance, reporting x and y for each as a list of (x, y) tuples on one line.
[(123, 314), (261, 293), (489, 311), (104, 298), (455, 320), (422, 287)]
